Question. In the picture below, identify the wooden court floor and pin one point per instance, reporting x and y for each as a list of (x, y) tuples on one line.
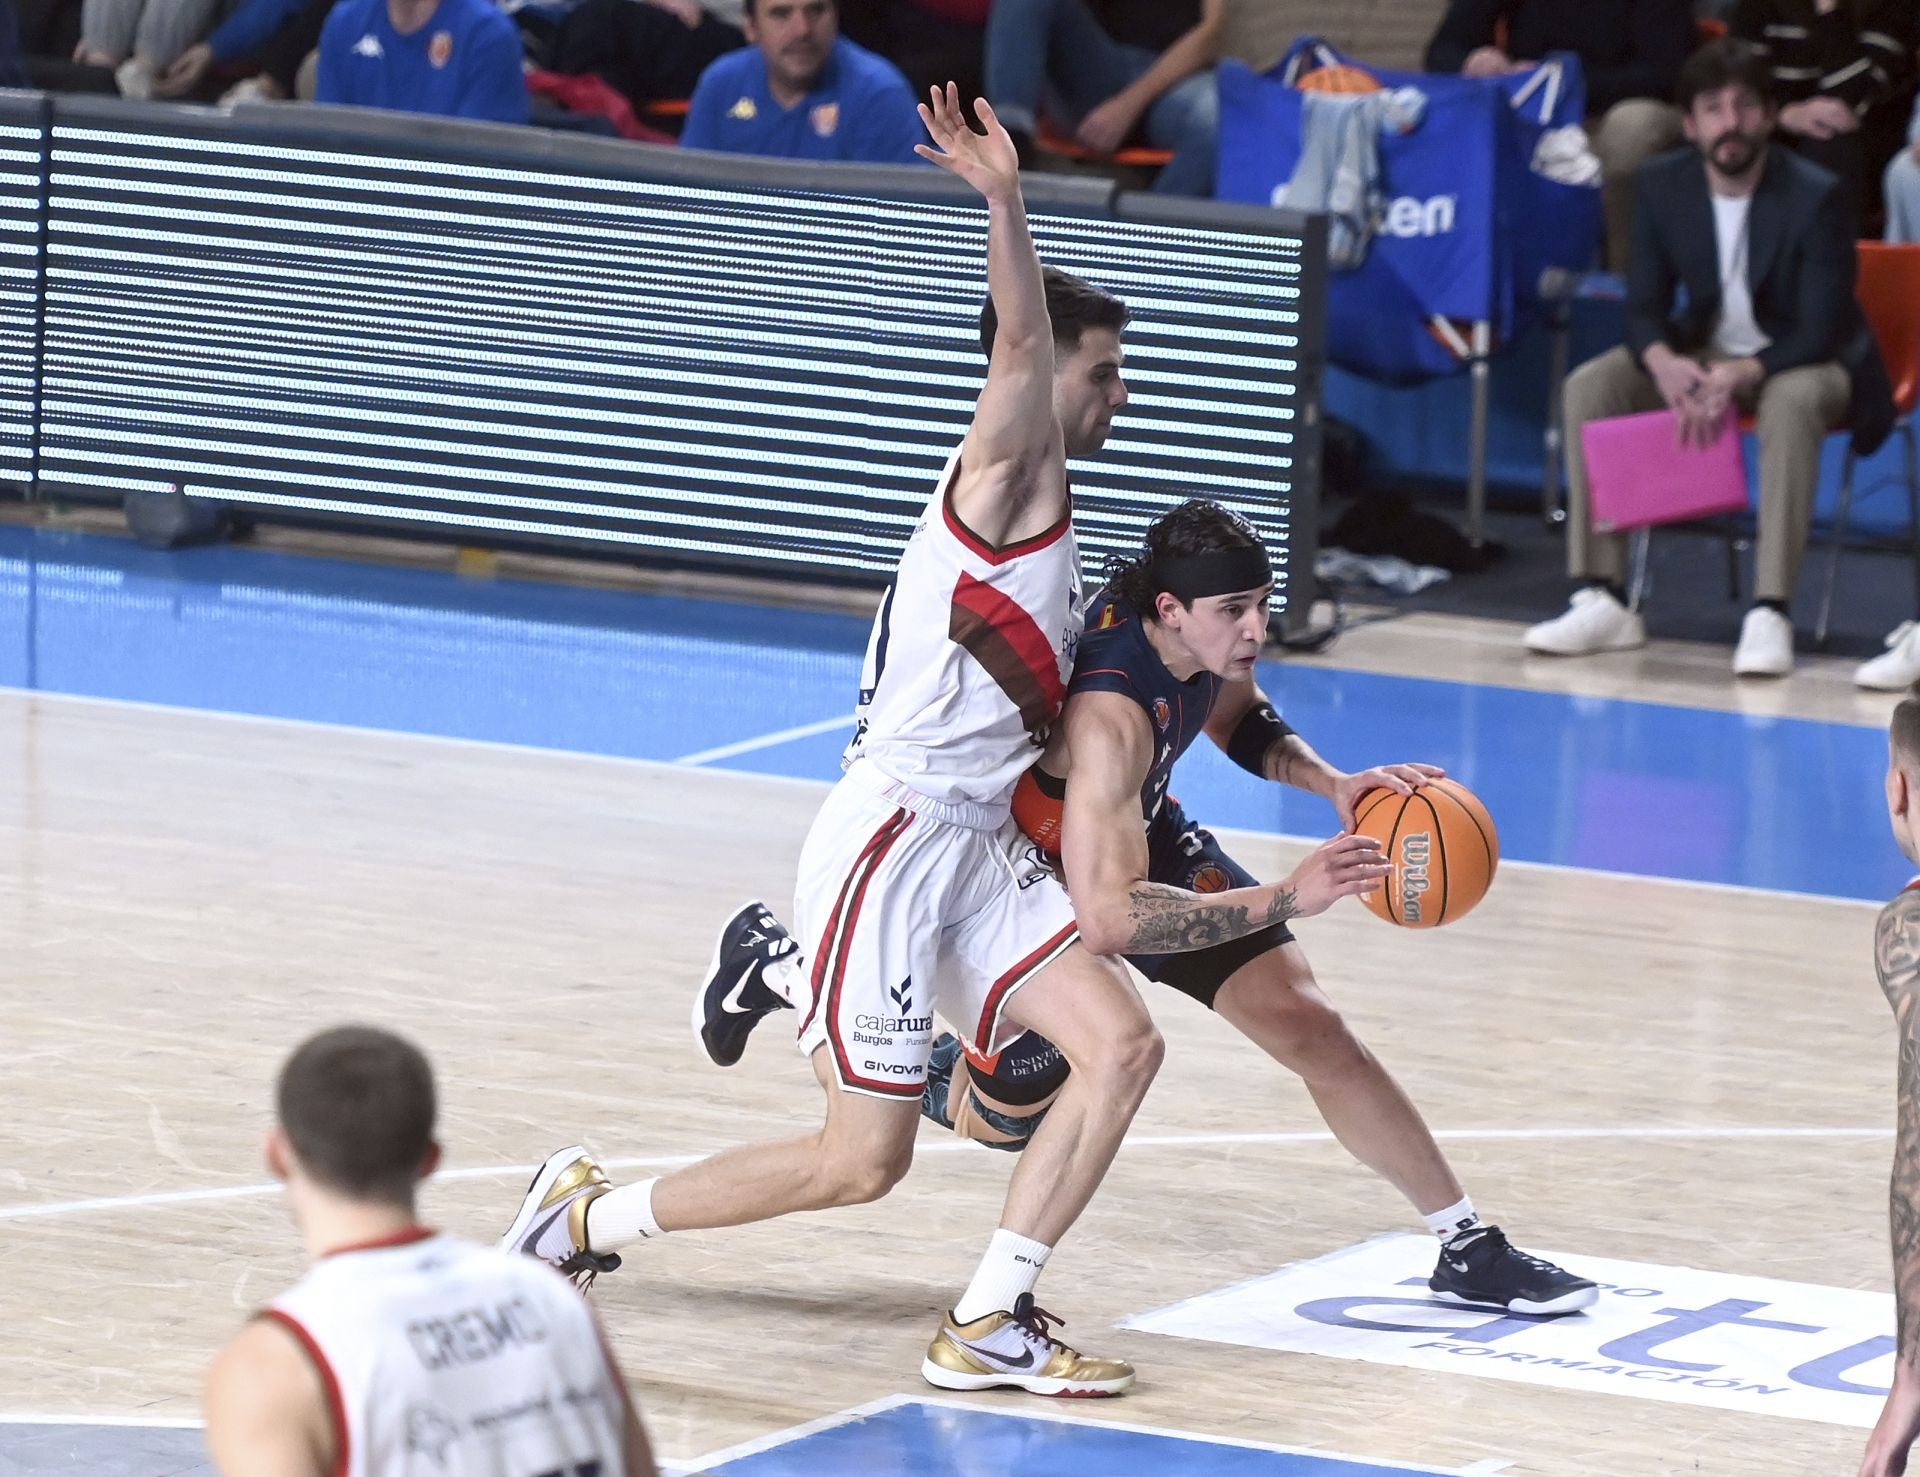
[(184, 896)]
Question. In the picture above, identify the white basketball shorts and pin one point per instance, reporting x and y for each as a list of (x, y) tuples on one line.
[(904, 916)]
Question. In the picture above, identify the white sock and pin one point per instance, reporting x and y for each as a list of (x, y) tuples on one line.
[(1455, 1220), (787, 978), (1011, 1266), (623, 1216)]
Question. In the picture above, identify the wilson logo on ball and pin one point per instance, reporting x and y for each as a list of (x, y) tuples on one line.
[(1415, 853), (1443, 848)]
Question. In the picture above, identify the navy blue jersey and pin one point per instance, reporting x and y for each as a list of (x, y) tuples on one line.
[(1116, 656)]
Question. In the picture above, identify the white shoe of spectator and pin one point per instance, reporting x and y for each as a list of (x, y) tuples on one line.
[(134, 77), (1595, 621), (248, 90), (1766, 644), (1898, 668)]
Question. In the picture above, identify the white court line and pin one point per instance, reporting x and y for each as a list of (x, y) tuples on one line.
[(966, 1146), (766, 740), (775, 1439), (792, 781), (772, 1439)]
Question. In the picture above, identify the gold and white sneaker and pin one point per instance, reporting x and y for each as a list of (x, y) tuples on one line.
[(552, 1223), (1017, 1349)]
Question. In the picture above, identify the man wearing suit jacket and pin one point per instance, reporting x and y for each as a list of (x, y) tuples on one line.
[(1739, 297)]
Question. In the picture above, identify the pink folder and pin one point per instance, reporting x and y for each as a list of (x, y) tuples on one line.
[(1638, 474)]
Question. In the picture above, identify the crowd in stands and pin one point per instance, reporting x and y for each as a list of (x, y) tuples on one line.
[(1758, 314)]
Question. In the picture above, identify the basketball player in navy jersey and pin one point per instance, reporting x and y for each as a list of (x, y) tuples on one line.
[(1896, 957), (1169, 654), (403, 1350)]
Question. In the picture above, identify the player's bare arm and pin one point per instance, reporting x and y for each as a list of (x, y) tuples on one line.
[(1288, 759), (266, 1411), (1104, 851), (1012, 482), (1896, 957)]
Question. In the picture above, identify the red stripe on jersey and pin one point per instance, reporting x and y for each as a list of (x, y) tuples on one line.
[(336, 1406), (998, 633), (399, 1238), (1002, 987), (824, 958), (984, 550)]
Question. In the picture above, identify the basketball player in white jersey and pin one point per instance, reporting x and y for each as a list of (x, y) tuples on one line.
[(404, 1351), (915, 895)]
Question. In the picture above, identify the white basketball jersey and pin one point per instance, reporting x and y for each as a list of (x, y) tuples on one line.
[(968, 662), (439, 1357)]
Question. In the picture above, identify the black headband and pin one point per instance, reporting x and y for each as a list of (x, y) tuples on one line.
[(1191, 577)]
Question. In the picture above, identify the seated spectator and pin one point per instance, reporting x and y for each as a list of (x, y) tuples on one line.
[(274, 37), (1630, 51), (139, 39), (455, 58), (804, 91), (1901, 184), (1759, 316), (647, 49), (1115, 70), (1842, 74)]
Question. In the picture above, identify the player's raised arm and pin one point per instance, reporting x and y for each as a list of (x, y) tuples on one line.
[(1104, 851), (1012, 467)]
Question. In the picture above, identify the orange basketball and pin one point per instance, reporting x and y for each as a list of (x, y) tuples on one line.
[(1339, 78), (1443, 848)]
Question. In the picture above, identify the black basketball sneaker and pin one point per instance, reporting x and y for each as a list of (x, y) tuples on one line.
[(736, 993), (1481, 1266)]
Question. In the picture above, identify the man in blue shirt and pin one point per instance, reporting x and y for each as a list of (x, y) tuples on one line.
[(803, 91), (457, 58)]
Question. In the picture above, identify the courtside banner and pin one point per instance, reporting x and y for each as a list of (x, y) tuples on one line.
[(1723, 1339)]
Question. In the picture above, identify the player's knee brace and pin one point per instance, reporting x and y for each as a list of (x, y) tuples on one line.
[(998, 1104)]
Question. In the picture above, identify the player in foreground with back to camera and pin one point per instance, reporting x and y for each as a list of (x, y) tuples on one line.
[(402, 1350), (1169, 654), (915, 894)]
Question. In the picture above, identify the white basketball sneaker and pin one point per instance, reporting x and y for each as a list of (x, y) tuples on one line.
[(1593, 622), (1766, 644), (1898, 667), (552, 1223), (1017, 1350)]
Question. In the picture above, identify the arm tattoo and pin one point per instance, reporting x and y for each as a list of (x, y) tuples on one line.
[(1171, 920), (1281, 756), (1896, 949)]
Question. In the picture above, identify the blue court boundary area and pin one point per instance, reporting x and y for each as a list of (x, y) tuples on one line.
[(1604, 785), (938, 1438)]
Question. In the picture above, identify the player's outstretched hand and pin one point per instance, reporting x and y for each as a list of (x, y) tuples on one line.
[(1343, 867), (1899, 1423), (1402, 779), (986, 161)]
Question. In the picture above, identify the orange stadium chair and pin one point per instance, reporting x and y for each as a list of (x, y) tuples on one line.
[(1048, 140), (1889, 293)]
